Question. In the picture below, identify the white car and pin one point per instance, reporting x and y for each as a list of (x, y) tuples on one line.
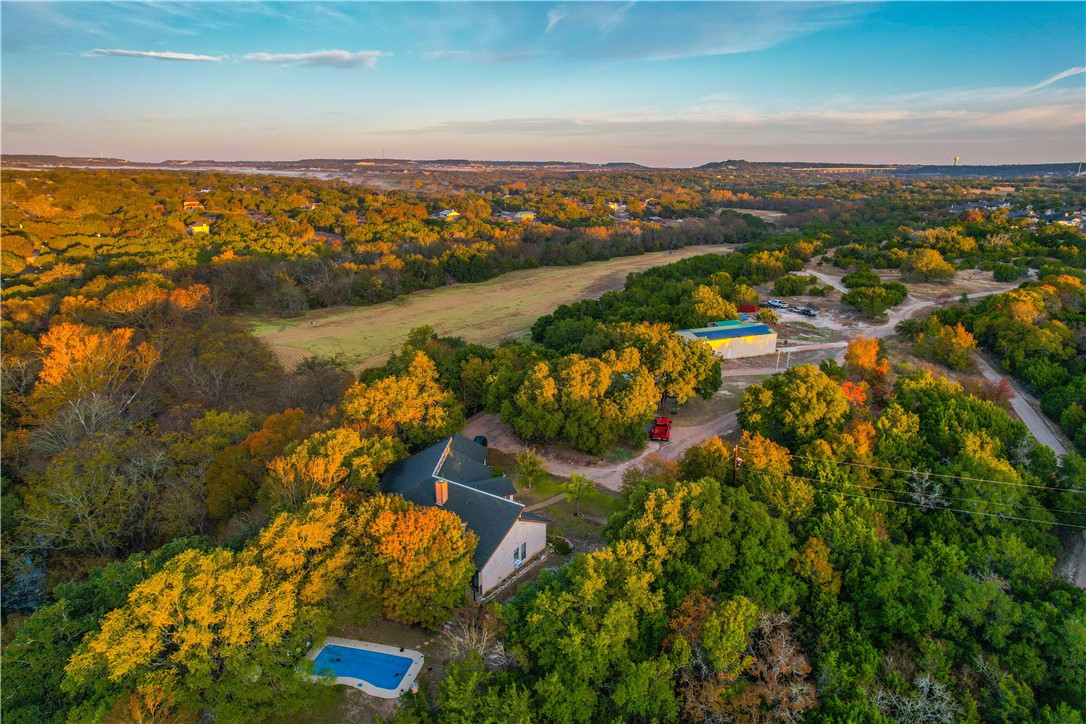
[(777, 304)]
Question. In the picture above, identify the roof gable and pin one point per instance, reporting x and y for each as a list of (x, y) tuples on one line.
[(474, 495)]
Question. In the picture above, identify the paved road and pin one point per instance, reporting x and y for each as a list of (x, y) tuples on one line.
[(1041, 427)]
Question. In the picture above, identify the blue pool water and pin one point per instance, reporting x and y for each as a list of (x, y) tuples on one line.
[(384, 671)]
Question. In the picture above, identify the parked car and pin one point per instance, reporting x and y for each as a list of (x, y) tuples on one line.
[(777, 304), (661, 429), (808, 312)]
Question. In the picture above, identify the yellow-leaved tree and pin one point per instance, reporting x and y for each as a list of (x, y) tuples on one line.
[(211, 632), (327, 460), (412, 406)]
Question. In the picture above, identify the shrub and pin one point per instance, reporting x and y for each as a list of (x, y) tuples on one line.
[(1006, 272), (561, 546), (862, 278)]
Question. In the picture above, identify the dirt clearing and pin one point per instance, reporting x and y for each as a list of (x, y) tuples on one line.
[(486, 313)]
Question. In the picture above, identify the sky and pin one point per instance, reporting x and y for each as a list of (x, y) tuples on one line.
[(657, 83)]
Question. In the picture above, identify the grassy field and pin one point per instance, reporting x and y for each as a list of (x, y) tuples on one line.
[(487, 312)]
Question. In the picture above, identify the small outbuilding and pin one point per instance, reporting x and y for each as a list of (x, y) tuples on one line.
[(734, 338)]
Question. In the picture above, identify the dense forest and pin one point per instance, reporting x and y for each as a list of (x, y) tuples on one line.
[(182, 515), (873, 557)]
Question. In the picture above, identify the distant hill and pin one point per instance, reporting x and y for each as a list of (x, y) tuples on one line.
[(1001, 171), (355, 165)]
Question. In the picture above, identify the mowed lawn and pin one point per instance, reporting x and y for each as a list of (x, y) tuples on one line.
[(487, 312)]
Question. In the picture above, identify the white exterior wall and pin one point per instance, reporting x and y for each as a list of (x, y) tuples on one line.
[(501, 566), (750, 346)]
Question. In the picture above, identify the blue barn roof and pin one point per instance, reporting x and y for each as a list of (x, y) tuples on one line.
[(745, 330)]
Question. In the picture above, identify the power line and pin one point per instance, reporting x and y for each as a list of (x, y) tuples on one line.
[(958, 510), (938, 475), (949, 497)]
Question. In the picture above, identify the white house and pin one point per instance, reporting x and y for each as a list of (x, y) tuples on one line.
[(453, 474)]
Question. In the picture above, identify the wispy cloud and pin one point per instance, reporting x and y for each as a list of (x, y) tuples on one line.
[(152, 54), (325, 58), (656, 31), (479, 56), (27, 127), (555, 16), (1058, 77)]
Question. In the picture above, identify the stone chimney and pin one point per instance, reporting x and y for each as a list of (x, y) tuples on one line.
[(441, 491)]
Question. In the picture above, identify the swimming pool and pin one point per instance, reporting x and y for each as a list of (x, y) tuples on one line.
[(384, 671), (376, 669)]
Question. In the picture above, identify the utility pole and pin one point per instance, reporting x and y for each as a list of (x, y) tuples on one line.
[(736, 462)]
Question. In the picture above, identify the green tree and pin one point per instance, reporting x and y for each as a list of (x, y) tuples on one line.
[(949, 345), (578, 487), (530, 468), (798, 405), (726, 635), (534, 412)]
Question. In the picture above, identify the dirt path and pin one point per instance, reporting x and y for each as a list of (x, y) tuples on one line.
[(834, 282), (607, 475)]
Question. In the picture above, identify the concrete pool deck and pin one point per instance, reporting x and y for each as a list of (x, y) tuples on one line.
[(405, 683)]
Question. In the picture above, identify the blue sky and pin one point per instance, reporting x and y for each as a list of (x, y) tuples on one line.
[(665, 83)]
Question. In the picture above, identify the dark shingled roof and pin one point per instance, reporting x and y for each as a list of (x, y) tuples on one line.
[(475, 495), (465, 461)]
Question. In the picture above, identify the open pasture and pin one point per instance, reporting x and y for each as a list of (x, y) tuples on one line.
[(487, 312)]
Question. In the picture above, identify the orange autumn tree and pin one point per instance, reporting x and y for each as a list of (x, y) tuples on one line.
[(766, 471), (813, 564), (91, 376), (233, 478), (856, 393), (862, 360), (421, 558), (383, 554)]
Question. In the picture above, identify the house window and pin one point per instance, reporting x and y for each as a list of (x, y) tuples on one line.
[(523, 551), (516, 555)]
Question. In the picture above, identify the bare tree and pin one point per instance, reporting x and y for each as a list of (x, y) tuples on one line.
[(779, 690), (476, 629), (926, 492), (930, 703)]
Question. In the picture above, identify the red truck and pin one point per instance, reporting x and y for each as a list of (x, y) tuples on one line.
[(661, 429)]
